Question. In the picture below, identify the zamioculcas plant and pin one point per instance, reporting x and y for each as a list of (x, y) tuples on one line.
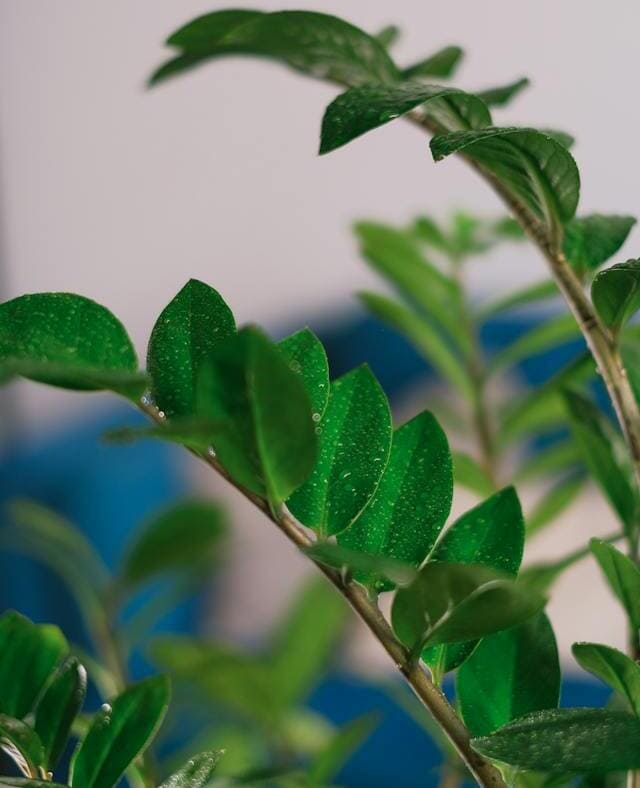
[(369, 503)]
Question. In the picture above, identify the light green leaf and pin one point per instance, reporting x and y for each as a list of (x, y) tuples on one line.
[(367, 107), (510, 674), (501, 96), (532, 294), (326, 765), (58, 709), (119, 733), (623, 577), (386, 570), (412, 502), (441, 64), (266, 440), (197, 773), (553, 503), (616, 294), (189, 329), (427, 231), (29, 654), (539, 339), (551, 460), (388, 36), (533, 168), (591, 240), (354, 444), (21, 743), (181, 538), (69, 341), (468, 473), (573, 740), (614, 668), (307, 357)]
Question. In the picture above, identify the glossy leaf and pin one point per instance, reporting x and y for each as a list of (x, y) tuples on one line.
[(197, 773), (501, 96), (320, 45), (603, 452), (534, 169), (29, 653), (22, 743), (539, 339), (69, 341), (367, 107), (387, 571), (58, 708), (354, 445), (591, 240), (441, 64), (178, 539), (452, 603), (119, 733), (307, 357), (510, 674), (468, 473), (614, 668), (265, 439), (622, 575), (412, 502), (328, 762), (616, 293), (573, 740), (189, 329)]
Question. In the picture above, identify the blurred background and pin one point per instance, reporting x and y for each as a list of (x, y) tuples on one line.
[(122, 193)]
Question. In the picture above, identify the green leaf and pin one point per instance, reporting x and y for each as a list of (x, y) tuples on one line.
[(427, 231), (387, 571), (119, 733), (591, 240), (539, 339), (441, 64), (412, 502), (501, 96), (468, 473), (266, 440), (307, 357), (197, 773), (388, 36), (614, 668), (534, 169), (551, 460), (452, 603), (179, 539), (354, 437), (623, 577), (426, 339), (21, 782), (510, 674), (531, 294), (22, 743), (58, 708), (29, 654), (367, 107), (616, 293), (604, 454), (572, 740), (69, 341), (320, 45), (326, 765), (188, 330), (554, 502)]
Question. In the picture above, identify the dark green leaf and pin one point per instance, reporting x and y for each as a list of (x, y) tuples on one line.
[(604, 454), (539, 339), (533, 168), (388, 36), (468, 473), (326, 765), (354, 438), (441, 64), (364, 108), (188, 330), (510, 674), (614, 668), (307, 357), (22, 743), (566, 140), (452, 603), (29, 653), (591, 240), (266, 440), (554, 502), (616, 293), (24, 782), (197, 773), (572, 740), (58, 708), (499, 97), (119, 733), (69, 341), (623, 577), (412, 502), (180, 538), (532, 294), (387, 570)]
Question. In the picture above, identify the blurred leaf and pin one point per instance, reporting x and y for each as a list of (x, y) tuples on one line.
[(189, 329), (411, 503), (182, 537), (388, 36), (553, 503), (197, 773), (441, 64), (338, 557), (551, 460), (22, 744), (501, 96), (573, 740), (531, 294), (23, 782), (61, 703), (591, 240), (541, 338), (508, 229), (326, 765), (69, 341), (468, 473), (616, 294), (510, 674), (307, 357), (119, 733), (614, 668), (29, 654), (367, 107), (427, 231), (562, 137), (354, 445), (623, 577)]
